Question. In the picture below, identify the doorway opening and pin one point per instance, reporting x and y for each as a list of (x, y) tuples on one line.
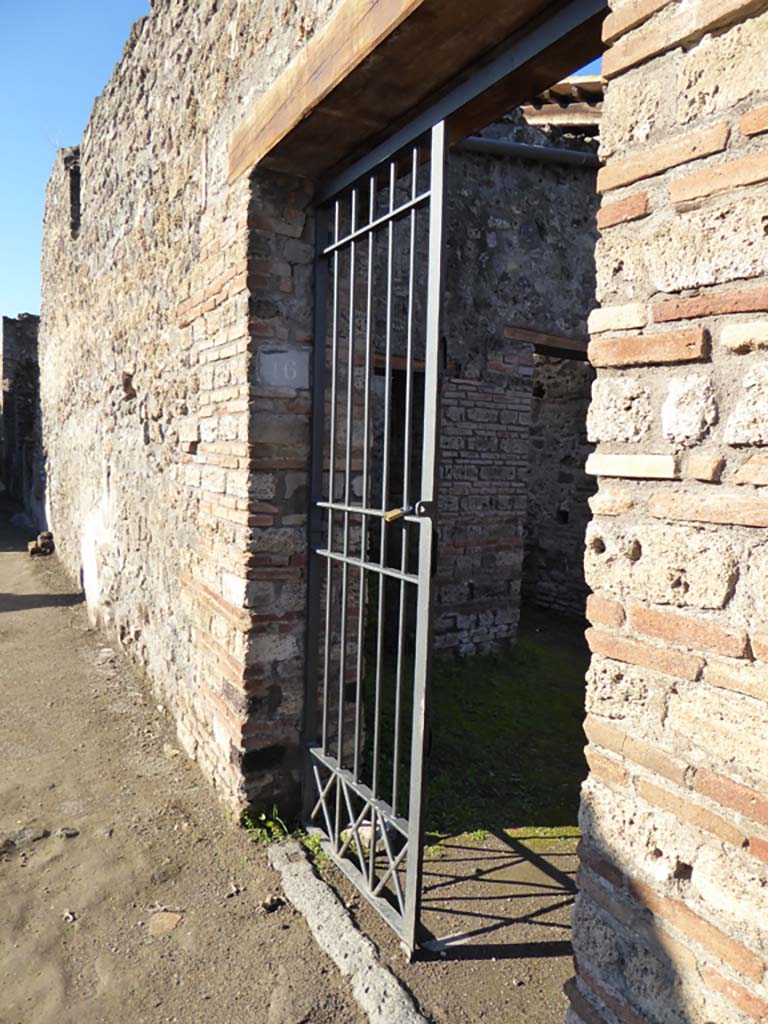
[(454, 292)]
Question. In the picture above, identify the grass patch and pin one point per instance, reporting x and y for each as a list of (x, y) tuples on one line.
[(507, 743)]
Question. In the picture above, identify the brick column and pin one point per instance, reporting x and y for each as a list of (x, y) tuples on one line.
[(670, 924)]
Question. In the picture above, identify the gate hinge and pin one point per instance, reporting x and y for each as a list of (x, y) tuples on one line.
[(425, 509)]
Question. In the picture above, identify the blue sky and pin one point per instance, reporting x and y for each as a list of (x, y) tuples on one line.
[(55, 57)]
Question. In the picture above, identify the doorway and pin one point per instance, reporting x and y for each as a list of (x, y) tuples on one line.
[(427, 344)]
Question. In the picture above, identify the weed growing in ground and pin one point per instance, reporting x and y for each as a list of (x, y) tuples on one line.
[(267, 827), (312, 843)]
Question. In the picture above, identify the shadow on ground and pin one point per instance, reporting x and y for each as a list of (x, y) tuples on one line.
[(505, 771)]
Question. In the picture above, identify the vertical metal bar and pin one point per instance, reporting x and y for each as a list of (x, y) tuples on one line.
[(315, 517), (384, 483), (425, 510), (331, 474), (347, 476), (406, 481), (364, 499)]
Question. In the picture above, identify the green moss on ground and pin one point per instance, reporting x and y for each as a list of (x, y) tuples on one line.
[(507, 743)]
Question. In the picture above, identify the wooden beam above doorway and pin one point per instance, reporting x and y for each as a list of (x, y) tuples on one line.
[(376, 63)]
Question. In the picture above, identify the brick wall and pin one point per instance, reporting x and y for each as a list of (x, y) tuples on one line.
[(670, 925), (512, 435), (558, 488), (176, 474)]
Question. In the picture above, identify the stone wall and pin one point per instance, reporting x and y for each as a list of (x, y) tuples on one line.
[(176, 473), (175, 351), (22, 467), (527, 230), (671, 925), (558, 488)]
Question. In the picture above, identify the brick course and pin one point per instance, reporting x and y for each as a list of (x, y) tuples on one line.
[(637, 350), (622, 211), (647, 163)]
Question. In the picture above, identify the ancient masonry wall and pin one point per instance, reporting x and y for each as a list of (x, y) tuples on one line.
[(558, 488), (22, 468), (671, 924), (175, 471), (527, 231)]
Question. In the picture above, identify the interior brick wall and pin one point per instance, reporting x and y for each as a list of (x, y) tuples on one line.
[(670, 923)]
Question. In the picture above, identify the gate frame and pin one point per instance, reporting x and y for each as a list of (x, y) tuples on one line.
[(405, 924)]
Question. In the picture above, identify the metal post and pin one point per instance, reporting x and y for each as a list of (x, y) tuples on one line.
[(425, 510), (315, 517)]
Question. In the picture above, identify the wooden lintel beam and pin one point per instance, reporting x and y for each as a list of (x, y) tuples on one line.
[(549, 344), (351, 35)]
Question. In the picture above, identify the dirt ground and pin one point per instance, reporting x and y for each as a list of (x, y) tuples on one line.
[(84, 747), (498, 911)]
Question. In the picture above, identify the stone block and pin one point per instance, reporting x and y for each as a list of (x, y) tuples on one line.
[(632, 696), (617, 318), (755, 122), (639, 467), (704, 467), (672, 565), (748, 423), (683, 25), (620, 410), (745, 337), (636, 350), (233, 589), (721, 241), (747, 170), (751, 595), (753, 471), (189, 430), (689, 410), (722, 71), (623, 211), (643, 113), (653, 160), (610, 503)]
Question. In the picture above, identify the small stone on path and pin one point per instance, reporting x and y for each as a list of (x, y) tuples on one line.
[(65, 832), (28, 835), (163, 922)]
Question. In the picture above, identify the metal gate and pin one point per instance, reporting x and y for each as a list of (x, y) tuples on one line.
[(375, 416)]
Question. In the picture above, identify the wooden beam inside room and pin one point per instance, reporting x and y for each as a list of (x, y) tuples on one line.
[(377, 62)]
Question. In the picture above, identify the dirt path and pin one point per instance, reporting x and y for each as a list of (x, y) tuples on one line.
[(83, 747)]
